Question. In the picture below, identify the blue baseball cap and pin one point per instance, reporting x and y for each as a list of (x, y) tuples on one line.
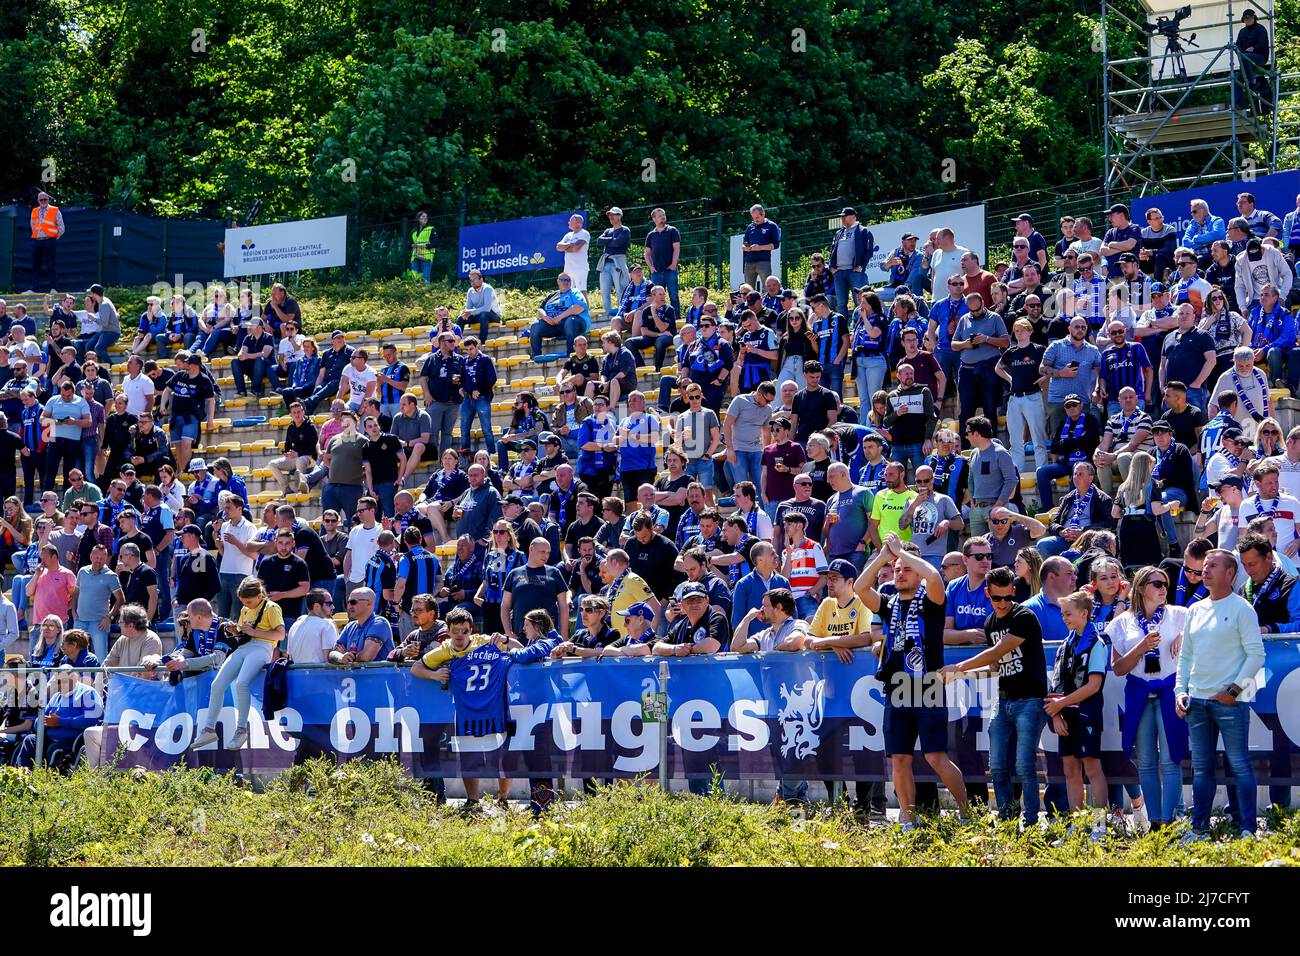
[(843, 568), (641, 609)]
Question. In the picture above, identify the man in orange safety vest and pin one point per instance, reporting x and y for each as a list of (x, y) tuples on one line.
[(47, 227)]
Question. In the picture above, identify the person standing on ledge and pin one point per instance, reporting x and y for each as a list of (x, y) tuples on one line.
[(47, 229)]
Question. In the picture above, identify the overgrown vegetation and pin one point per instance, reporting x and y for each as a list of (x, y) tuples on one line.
[(366, 813)]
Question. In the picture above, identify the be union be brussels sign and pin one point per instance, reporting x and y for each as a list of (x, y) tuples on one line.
[(515, 245)]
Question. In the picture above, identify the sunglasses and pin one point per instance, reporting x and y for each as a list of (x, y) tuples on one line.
[(499, 531), (330, 520), (987, 556), (1001, 598), (1162, 585), (354, 601), (1194, 572)]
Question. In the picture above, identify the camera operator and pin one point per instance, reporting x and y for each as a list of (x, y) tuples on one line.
[(1255, 50)]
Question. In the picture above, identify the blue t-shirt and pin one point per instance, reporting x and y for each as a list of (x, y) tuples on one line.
[(59, 408), (1049, 617), (356, 634), (659, 243), (1059, 355), (761, 234), (1131, 231), (968, 608)]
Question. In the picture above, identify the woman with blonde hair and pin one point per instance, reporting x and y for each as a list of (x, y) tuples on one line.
[(1137, 508), (1268, 439), (1028, 568), (1145, 641), (502, 557), (47, 647)]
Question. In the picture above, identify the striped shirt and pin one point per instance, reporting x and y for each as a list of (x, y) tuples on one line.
[(1122, 367), (389, 394), (421, 571), (807, 564), (1121, 427)]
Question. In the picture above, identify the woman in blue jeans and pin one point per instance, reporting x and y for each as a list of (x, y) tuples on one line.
[(1144, 641)]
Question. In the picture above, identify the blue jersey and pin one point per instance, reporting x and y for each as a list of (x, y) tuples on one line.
[(1122, 367), (478, 684), (968, 608), (389, 394), (421, 570)]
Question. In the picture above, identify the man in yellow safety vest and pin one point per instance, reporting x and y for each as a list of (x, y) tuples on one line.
[(47, 227), (422, 240)]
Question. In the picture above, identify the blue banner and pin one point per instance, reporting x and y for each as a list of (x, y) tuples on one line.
[(805, 716), (515, 245), (1276, 193)]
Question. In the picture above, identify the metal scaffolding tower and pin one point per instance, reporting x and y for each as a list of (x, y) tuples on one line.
[(1157, 106)]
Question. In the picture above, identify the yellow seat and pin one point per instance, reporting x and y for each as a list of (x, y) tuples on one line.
[(297, 498), (261, 473), (281, 421), (239, 401), (384, 333), (222, 362), (354, 335), (419, 331)]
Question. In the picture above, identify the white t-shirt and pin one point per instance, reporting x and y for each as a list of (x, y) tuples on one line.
[(362, 542), (234, 561), (946, 264), (311, 639), (358, 382), (290, 346), (1288, 474), (29, 350), (1125, 634), (575, 263), (1229, 528), (139, 393), (1284, 509)]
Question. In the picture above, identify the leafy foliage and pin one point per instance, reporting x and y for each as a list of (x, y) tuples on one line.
[(370, 813), (499, 108)]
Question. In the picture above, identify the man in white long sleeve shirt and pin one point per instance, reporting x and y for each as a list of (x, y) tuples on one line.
[(1221, 655)]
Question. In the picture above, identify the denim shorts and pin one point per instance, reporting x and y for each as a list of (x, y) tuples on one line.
[(701, 469), (1084, 737), (185, 426), (905, 725)]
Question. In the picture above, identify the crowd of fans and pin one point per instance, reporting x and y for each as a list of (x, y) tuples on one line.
[(734, 502)]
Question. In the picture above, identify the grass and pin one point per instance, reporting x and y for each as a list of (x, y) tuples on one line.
[(369, 813)]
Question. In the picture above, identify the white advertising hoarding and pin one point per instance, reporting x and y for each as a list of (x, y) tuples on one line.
[(738, 262), (966, 223), (287, 246)]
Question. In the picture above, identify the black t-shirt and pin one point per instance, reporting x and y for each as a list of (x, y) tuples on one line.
[(821, 487), (284, 574), (1022, 674), (578, 530), (588, 367), (675, 512), (1022, 365), (813, 409), (190, 395), (932, 617), (714, 624), (381, 453), (1184, 424), (653, 562), (136, 584), (534, 588), (319, 565), (141, 539)]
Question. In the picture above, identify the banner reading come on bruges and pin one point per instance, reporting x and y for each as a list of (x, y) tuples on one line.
[(793, 715)]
